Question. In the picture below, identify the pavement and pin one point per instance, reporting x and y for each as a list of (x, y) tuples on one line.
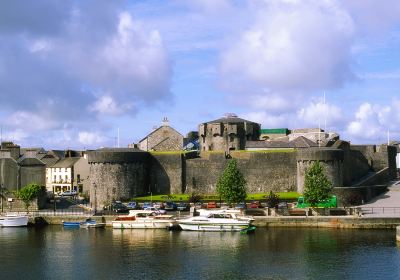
[(384, 205)]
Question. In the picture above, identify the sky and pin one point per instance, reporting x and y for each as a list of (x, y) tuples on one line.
[(99, 73)]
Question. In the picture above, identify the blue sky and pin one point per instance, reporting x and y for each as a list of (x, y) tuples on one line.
[(73, 73)]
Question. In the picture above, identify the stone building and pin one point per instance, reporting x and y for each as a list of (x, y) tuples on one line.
[(16, 171), (273, 133), (227, 134), (164, 138)]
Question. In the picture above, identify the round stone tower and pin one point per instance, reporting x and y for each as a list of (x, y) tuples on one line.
[(330, 159), (117, 174)]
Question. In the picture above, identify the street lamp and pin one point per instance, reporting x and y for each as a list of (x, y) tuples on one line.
[(2, 192), (95, 198)]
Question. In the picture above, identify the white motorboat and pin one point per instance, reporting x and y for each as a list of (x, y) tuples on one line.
[(13, 221), (217, 221), (144, 219)]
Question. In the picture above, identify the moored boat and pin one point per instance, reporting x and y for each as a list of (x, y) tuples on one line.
[(89, 223), (143, 219), (13, 221), (217, 221), (71, 224)]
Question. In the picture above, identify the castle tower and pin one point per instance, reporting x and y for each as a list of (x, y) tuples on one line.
[(117, 174), (330, 159), (227, 133)]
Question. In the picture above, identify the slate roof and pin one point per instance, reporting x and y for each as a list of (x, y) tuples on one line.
[(49, 161), (230, 120), (299, 142), (303, 142), (66, 162), (30, 161), (269, 144), (159, 129)]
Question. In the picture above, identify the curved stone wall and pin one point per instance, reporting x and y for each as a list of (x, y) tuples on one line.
[(330, 159), (117, 174)]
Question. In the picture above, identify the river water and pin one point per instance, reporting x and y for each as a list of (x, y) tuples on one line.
[(277, 253)]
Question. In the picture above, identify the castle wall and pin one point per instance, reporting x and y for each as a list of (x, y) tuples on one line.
[(330, 159), (117, 174), (111, 181), (33, 174), (166, 173), (9, 175), (263, 172)]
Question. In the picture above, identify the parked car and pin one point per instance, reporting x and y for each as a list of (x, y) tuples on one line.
[(211, 204), (159, 205), (133, 205), (182, 206), (68, 193), (255, 204), (148, 205), (170, 206), (119, 208), (241, 205)]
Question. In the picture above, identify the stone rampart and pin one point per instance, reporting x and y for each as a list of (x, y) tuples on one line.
[(117, 174), (263, 171), (330, 159), (166, 173)]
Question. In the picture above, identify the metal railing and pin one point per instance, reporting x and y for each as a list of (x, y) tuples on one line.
[(58, 212), (379, 210)]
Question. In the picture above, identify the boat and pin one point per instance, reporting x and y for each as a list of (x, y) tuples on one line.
[(71, 224), (89, 223), (221, 220), (143, 219), (13, 221)]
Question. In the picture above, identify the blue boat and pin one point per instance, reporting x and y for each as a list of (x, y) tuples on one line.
[(71, 224)]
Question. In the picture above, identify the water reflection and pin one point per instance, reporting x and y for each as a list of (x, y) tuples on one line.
[(57, 253)]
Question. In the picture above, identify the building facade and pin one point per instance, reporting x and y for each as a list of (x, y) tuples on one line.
[(164, 138), (227, 134)]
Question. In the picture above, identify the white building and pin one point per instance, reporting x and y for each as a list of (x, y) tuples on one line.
[(60, 176)]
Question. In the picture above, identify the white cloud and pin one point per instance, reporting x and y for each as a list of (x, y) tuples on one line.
[(90, 138), (315, 113), (293, 46), (372, 122), (107, 105)]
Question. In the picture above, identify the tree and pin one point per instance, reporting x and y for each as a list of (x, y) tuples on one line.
[(231, 185), (272, 200), (317, 186), (29, 192)]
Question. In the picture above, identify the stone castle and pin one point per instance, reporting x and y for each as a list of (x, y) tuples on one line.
[(123, 173)]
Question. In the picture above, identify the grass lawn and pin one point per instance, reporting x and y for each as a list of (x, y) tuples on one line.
[(185, 197)]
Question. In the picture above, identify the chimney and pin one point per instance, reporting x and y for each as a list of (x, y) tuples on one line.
[(165, 122)]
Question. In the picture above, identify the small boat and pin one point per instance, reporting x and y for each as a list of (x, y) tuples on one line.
[(89, 223), (217, 221), (13, 221), (143, 219), (71, 224), (248, 230)]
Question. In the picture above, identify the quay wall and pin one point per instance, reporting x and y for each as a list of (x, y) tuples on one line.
[(264, 221)]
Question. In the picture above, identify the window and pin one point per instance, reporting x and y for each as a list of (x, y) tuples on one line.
[(66, 169), (66, 178), (78, 177), (55, 178)]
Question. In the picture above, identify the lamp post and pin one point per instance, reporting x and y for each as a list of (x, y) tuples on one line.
[(95, 198), (54, 201), (2, 192)]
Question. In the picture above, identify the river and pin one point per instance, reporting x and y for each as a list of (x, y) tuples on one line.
[(53, 252)]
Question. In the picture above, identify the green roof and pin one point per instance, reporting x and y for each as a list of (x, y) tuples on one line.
[(275, 131)]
